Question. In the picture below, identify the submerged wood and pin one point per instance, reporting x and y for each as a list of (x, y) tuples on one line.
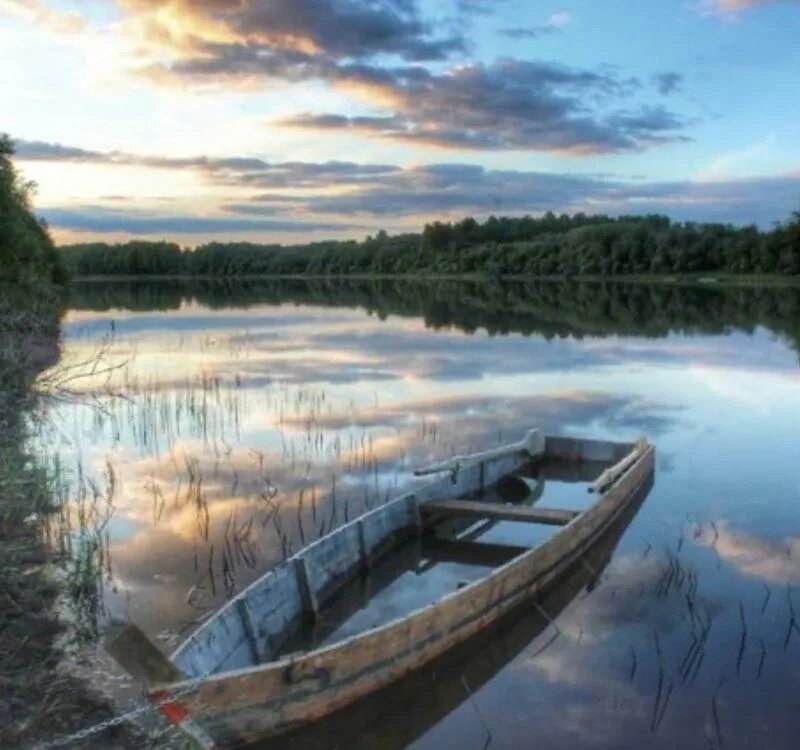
[(241, 702), (134, 651), (500, 511), (470, 553)]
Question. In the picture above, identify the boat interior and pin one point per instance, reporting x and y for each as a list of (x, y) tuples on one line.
[(405, 555)]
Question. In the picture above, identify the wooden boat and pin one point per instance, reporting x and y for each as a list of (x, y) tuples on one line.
[(394, 717), (233, 682)]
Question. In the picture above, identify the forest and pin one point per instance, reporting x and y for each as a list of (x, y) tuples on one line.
[(551, 245)]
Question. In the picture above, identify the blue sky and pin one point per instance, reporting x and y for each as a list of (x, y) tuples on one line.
[(285, 120)]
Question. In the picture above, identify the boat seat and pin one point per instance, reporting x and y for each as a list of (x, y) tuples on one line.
[(500, 511)]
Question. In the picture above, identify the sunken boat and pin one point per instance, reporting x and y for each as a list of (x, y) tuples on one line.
[(354, 612)]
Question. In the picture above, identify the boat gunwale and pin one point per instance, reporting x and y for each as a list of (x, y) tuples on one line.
[(381, 630)]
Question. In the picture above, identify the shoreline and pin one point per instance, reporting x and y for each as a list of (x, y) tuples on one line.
[(703, 280)]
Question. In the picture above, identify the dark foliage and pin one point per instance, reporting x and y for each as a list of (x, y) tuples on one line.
[(27, 254), (552, 245)]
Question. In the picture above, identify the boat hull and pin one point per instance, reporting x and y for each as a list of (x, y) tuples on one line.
[(239, 707)]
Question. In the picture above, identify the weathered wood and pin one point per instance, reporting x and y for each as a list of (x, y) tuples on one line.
[(610, 475), (500, 511), (139, 656), (363, 552), (249, 629), (470, 553), (332, 562), (570, 472), (579, 449), (533, 444), (307, 591), (439, 531)]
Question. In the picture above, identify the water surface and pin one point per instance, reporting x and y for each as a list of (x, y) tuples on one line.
[(229, 424)]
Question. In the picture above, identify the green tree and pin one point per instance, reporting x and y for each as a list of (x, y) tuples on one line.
[(27, 253)]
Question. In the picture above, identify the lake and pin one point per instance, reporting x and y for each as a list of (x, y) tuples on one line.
[(204, 431)]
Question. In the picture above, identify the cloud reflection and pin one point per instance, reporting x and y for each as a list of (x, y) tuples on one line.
[(774, 560)]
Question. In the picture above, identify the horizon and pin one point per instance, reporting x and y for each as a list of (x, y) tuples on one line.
[(295, 122)]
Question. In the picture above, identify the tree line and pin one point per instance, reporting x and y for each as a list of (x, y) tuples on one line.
[(551, 245)]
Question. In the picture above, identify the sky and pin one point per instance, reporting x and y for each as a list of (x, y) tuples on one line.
[(297, 120)]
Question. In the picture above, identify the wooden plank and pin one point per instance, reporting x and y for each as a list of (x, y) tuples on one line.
[(249, 628), (363, 552), (610, 475), (332, 561), (500, 511), (470, 553), (579, 449), (532, 444), (140, 657), (434, 534), (307, 590)]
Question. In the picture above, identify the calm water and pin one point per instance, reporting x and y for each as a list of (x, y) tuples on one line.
[(226, 425)]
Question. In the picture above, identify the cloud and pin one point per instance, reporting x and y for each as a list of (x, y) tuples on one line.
[(760, 200), (730, 162), (530, 32), (41, 151), (668, 82), (452, 188), (319, 28), (560, 20), (460, 189), (38, 12), (307, 195), (509, 104), (732, 7), (773, 560), (477, 7), (238, 170), (101, 220), (383, 52), (555, 24)]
